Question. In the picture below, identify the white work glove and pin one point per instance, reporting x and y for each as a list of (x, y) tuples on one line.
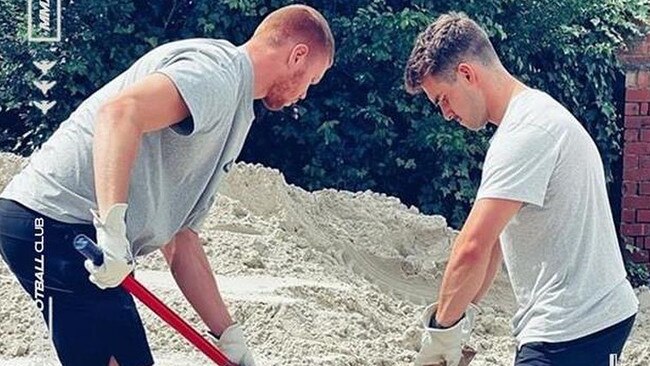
[(111, 238), (232, 344), (444, 347)]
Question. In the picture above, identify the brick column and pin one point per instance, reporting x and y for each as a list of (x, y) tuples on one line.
[(635, 207)]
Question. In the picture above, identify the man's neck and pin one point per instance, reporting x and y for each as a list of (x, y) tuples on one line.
[(504, 88), (263, 64)]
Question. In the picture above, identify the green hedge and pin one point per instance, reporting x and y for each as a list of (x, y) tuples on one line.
[(358, 129)]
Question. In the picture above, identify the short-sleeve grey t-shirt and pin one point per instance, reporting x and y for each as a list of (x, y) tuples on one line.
[(176, 173), (560, 249)]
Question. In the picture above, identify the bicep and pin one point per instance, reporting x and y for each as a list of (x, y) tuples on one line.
[(488, 218), (153, 103)]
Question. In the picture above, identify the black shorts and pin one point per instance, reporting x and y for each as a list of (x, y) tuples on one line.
[(89, 325), (602, 348)]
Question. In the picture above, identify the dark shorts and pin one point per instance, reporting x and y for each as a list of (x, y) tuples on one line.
[(89, 325), (602, 348)]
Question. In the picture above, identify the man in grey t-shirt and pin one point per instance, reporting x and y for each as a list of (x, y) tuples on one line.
[(542, 207), (141, 160)]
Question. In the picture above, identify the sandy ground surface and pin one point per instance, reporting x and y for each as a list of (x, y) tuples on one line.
[(322, 278)]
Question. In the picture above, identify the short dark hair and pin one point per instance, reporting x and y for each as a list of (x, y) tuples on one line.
[(448, 41)]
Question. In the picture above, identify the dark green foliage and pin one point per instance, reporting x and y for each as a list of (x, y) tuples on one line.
[(358, 129)]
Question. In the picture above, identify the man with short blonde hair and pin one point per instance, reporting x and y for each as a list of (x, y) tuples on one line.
[(298, 24), (136, 167)]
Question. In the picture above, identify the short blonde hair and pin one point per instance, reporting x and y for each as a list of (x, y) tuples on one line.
[(453, 38), (298, 24)]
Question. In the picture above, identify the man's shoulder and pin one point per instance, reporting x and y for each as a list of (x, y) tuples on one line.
[(537, 115), (193, 43), (207, 53)]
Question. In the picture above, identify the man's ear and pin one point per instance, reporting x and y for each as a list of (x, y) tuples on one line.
[(466, 72), (298, 55)]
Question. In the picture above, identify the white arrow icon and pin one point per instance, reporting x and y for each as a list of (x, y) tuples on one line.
[(44, 105), (44, 66), (44, 86)]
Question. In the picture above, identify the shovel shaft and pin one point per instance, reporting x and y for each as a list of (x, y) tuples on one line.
[(163, 311), (89, 249)]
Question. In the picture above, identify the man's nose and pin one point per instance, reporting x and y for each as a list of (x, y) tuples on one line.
[(447, 113)]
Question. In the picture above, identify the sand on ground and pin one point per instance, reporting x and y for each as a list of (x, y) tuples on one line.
[(315, 278)]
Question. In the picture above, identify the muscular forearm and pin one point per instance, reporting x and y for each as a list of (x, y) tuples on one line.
[(463, 279), (115, 147), (191, 270), (493, 269), (473, 263)]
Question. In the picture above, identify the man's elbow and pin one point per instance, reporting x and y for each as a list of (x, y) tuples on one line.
[(473, 251), (118, 114), (188, 236), (169, 250)]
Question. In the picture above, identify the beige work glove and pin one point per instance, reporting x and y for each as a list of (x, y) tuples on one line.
[(233, 345), (446, 347), (111, 239)]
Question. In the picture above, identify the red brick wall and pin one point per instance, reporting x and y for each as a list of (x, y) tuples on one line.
[(635, 205)]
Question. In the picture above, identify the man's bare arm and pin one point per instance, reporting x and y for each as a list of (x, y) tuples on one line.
[(191, 270), (469, 263), (148, 105), (493, 269)]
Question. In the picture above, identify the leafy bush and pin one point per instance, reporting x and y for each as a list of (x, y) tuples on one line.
[(358, 129)]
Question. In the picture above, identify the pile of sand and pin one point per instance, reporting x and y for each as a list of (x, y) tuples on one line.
[(322, 278)]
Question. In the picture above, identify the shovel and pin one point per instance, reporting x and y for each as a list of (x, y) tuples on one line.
[(468, 356), (90, 250)]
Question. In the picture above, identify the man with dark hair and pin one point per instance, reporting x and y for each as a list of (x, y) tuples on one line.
[(542, 206), (136, 167)]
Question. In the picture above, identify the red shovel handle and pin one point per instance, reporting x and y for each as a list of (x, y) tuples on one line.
[(89, 249)]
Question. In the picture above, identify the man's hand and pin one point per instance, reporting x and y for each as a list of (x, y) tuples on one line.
[(444, 346), (111, 238), (233, 345)]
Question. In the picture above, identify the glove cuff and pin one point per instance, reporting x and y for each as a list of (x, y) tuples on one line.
[(463, 325), (111, 232), (233, 332), (212, 335), (114, 218)]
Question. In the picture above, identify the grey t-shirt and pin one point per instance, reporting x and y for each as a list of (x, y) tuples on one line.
[(177, 170), (560, 249)]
